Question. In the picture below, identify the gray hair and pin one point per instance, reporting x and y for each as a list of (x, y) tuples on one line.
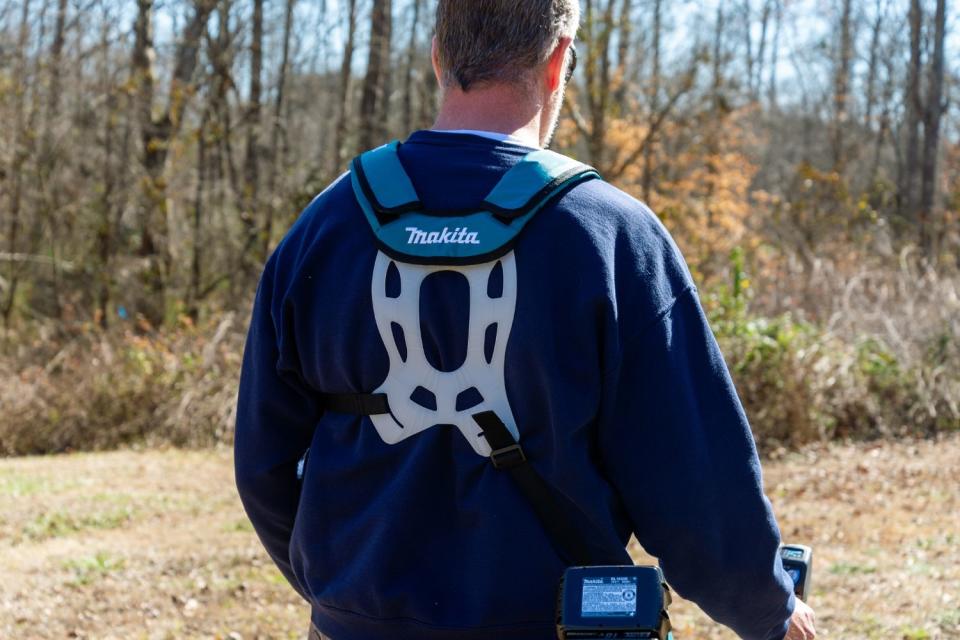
[(500, 40)]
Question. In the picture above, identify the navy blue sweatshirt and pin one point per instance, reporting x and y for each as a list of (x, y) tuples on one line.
[(619, 391)]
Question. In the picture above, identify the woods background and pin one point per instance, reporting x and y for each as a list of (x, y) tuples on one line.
[(804, 153)]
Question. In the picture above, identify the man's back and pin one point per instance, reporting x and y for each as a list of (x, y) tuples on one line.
[(617, 388)]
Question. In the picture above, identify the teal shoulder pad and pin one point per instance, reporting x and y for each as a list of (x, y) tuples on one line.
[(405, 230)]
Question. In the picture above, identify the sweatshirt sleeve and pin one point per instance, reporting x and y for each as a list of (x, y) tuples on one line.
[(676, 444), (276, 414)]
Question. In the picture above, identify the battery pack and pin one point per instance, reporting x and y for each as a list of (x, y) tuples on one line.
[(613, 602)]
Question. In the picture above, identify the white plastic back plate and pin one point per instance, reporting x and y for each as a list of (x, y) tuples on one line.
[(479, 377)]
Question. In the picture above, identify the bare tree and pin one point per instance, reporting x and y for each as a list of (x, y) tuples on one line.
[(20, 153), (344, 99), (49, 186), (655, 72), (913, 107), (157, 133), (597, 29), (746, 11), (375, 93), (761, 49), (841, 87), (719, 110), (624, 43), (873, 65), (415, 9), (885, 125), (600, 100), (251, 166), (932, 114), (56, 74), (775, 55), (162, 168), (276, 158)]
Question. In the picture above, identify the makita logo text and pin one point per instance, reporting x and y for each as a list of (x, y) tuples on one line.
[(457, 236)]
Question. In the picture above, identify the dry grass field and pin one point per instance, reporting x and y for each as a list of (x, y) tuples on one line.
[(154, 544)]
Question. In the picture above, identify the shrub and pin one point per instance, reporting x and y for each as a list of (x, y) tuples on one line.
[(801, 382), (858, 376), (100, 390)]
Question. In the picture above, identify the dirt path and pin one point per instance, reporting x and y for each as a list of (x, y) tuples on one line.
[(154, 544)]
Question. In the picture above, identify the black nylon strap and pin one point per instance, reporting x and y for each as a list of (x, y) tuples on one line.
[(361, 404), (507, 455)]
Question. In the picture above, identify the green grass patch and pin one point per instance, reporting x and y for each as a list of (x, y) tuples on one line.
[(18, 486), (91, 568), (275, 577), (870, 628), (240, 526), (847, 569), (57, 524), (949, 620)]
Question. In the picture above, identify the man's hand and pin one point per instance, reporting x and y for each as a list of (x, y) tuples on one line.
[(801, 623)]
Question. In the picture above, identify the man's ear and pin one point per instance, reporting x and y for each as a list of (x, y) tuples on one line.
[(557, 64), (435, 59)]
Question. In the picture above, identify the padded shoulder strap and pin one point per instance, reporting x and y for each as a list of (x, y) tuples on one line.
[(383, 182), (406, 231), (531, 180)]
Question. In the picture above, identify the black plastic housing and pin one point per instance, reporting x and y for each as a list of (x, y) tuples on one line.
[(613, 602)]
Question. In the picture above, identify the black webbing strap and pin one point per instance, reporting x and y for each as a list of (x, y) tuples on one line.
[(508, 456), (361, 404)]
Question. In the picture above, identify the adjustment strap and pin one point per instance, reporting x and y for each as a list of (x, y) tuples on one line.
[(361, 404), (509, 456)]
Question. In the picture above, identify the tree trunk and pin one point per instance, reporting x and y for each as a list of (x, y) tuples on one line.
[(53, 102), (597, 32), (872, 68), (251, 165), (910, 167), (932, 114), (411, 62), (719, 103), (647, 179), (372, 128), (156, 134), (720, 109), (215, 162), (342, 117), (276, 158), (626, 35), (49, 184), (748, 33), (885, 119), (841, 88), (19, 156), (761, 50), (624, 42), (775, 56), (196, 266)]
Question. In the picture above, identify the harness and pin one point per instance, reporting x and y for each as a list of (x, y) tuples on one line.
[(478, 243)]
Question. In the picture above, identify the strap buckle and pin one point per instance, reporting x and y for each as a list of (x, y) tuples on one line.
[(508, 457)]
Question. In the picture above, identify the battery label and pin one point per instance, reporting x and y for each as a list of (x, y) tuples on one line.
[(609, 597)]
